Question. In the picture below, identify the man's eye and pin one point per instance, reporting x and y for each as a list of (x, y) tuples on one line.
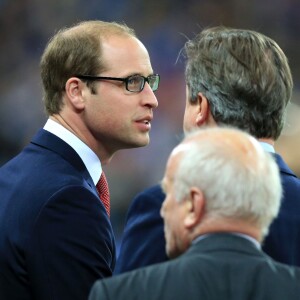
[(135, 80)]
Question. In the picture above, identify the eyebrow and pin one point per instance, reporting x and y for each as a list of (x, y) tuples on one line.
[(140, 74)]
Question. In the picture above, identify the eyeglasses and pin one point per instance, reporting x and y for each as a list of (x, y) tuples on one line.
[(134, 83)]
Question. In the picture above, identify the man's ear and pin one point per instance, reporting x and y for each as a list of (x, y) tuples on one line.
[(203, 110), (74, 92), (195, 205)]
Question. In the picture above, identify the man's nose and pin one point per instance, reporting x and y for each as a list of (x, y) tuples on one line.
[(149, 97)]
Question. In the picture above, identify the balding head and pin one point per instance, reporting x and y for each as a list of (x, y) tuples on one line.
[(235, 182)]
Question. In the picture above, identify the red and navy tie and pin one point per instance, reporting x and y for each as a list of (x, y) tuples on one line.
[(103, 192)]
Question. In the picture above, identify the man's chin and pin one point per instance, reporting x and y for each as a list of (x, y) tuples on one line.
[(137, 143), (141, 142)]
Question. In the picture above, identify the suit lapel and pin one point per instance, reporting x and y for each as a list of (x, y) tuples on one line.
[(49, 141)]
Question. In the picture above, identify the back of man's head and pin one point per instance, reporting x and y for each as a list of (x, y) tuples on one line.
[(239, 180), (245, 77)]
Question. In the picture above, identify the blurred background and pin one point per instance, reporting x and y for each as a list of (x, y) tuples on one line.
[(163, 26)]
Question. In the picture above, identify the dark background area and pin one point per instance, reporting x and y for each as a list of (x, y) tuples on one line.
[(163, 26)]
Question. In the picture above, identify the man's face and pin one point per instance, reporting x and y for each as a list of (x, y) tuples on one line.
[(173, 212), (117, 118)]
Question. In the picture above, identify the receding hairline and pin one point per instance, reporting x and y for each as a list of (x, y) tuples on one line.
[(104, 29)]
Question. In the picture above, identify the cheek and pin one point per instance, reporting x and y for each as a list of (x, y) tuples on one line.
[(187, 121), (167, 216), (113, 118), (170, 240), (174, 243)]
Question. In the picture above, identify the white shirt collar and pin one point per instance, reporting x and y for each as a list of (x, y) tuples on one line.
[(89, 158), (267, 147)]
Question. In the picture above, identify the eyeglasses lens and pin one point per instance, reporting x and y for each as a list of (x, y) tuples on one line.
[(153, 82), (136, 83)]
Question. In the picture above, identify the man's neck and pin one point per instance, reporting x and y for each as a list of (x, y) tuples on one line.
[(213, 225), (102, 153)]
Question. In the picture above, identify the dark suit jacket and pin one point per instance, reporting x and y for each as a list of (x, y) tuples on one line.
[(55, 236), (143, 241), (221, 266)]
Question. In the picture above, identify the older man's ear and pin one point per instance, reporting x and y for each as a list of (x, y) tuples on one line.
[(195, 208)]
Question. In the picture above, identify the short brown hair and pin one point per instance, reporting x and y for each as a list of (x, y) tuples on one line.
[(74, 50)]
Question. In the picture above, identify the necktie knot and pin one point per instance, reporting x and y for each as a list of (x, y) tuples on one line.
[(103, 192)]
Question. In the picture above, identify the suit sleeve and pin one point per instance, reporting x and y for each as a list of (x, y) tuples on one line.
[(143, 241), (71, 246), (283, 240)]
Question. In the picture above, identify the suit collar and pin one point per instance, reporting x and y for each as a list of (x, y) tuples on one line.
[(283, 167), (224, 242), (280, 162), (247, 237), (87, 155), (53, 143)]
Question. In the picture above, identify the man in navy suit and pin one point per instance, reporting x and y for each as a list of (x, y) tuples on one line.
[(56, 237), (213, 228), (240, 78)]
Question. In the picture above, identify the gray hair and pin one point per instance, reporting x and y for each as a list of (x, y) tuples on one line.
[(245, 77), (235, 186)]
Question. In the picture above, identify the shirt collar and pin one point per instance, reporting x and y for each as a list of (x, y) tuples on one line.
[(89, 158), (267, 147)]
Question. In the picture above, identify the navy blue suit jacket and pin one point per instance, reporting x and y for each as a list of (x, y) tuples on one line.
[(143, 241), (220, 266), (55, 236)]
